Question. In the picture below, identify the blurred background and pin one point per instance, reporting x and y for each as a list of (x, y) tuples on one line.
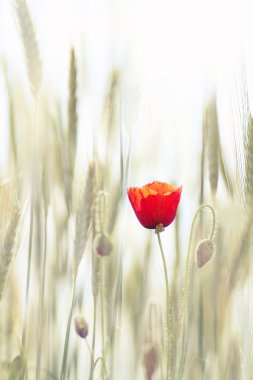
[(97, 96)]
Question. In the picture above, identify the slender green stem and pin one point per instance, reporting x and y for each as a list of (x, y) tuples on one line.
[(29, 259), (167, 302), (93, 338), (101, 282), (118, 294), (88, 347), (104, 366), (117, 313), (201, 337), (66, 344), (41, 313), (28, 276), (186, 286), (201, 200)]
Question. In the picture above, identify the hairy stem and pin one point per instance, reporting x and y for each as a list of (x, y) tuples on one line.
[(167, 303), (186, 286)]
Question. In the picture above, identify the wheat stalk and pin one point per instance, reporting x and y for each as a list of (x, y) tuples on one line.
[(213, 145), (110, 106), (83, 222), (97, 224), (32, 55), (70, 141), (72, 109), (84, 217), (240, 110), (249, 162)]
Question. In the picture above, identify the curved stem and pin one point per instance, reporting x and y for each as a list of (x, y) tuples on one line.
[(66, 344), (88, 347), (167, 301), (214, 220), (104, 366), (186, 285)]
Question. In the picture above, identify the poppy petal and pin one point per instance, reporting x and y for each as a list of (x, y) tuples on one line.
[(155, 203)]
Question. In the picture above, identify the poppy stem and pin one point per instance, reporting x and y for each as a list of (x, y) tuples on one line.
[(167, 300), (186, 285)]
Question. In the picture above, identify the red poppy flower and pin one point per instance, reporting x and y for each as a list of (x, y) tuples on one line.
[(155, 203)]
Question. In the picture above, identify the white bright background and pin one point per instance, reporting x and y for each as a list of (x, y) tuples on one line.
[(172, 54)]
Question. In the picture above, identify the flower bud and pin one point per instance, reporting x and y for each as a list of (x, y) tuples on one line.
[(103, 245), (150, 360), (81, 327), (204, 252)]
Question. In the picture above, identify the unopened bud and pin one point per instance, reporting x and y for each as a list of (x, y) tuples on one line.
[(150, 360), (103, 245), (204, 252), (81, 327)]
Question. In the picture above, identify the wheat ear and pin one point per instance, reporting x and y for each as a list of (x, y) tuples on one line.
[(8, 248), (249, 162), (213, 145), (72, 109), (83, 217), (83, 222), (32, 55)]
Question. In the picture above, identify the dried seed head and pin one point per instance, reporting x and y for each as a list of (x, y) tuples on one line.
[(84, 217), (7, 252), (103, 245), (81, 327), (213, 144), (31, 49), (72, 114), (150, 360), (204, 252)]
